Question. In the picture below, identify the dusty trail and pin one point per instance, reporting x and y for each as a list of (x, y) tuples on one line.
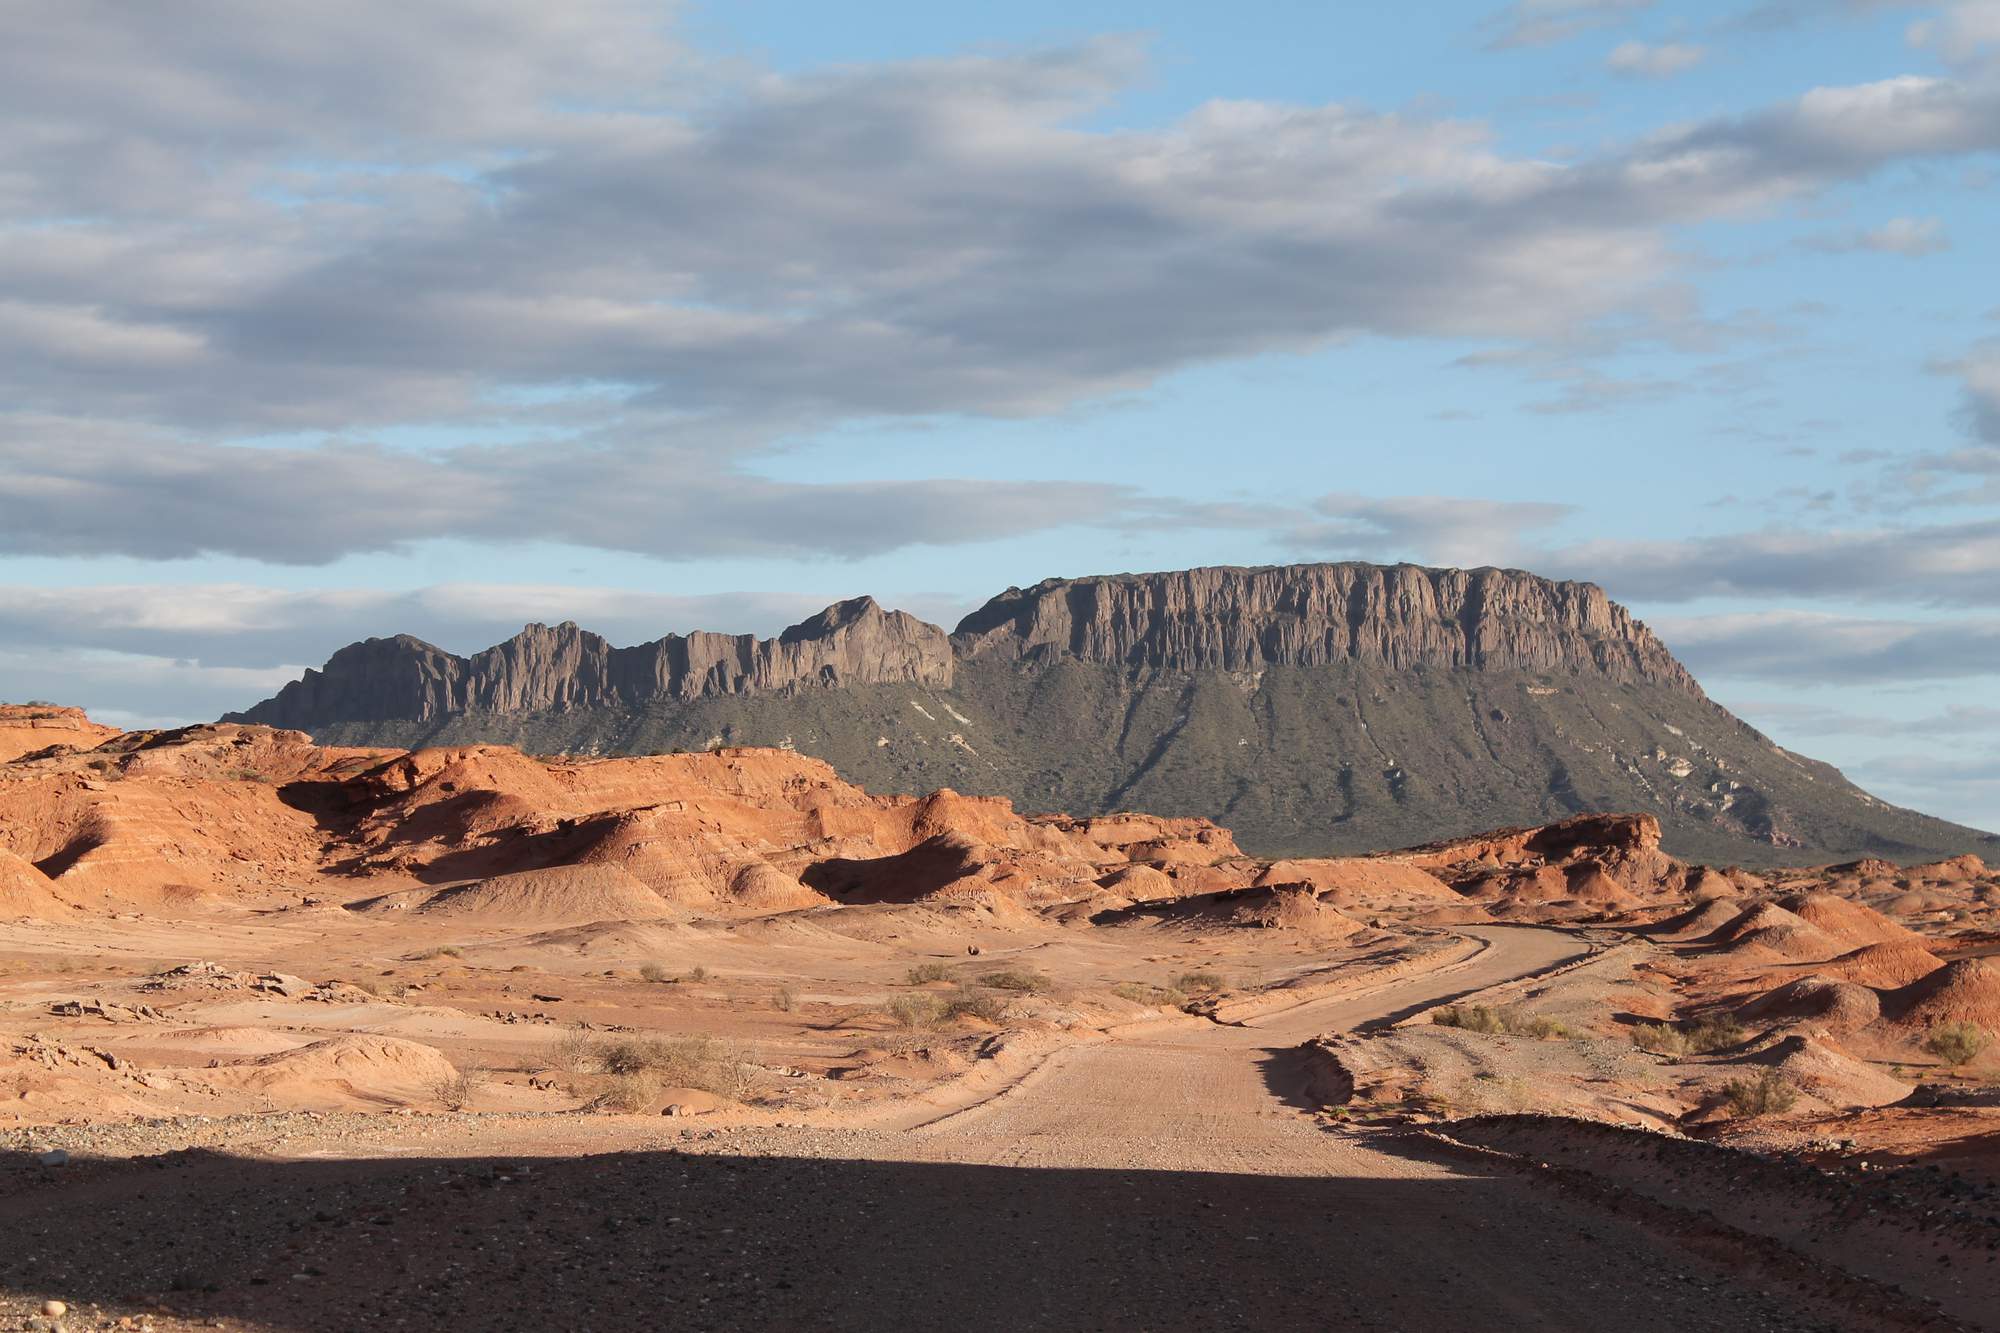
[(1228, 1098), (1170, 1181)]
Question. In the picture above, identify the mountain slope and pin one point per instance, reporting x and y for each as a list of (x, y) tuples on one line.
[(1312, 708)]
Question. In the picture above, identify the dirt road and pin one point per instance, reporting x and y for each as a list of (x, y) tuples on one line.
[(1172, 1181)]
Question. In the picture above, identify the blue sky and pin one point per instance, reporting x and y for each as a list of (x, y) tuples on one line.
[(441, 317)]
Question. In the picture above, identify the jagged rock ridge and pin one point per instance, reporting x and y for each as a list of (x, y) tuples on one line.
[(1311, 708), (403, 679)]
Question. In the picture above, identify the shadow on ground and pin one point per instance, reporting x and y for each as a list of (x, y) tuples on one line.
[(669, 1240)]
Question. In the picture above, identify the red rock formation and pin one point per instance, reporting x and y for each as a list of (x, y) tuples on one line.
[(26, 728)]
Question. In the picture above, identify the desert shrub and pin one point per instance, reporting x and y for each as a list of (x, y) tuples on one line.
[(1698, 1038), (628, 1057), (455, 1091), (697, 973), (1714, 1034), (1957, 1043), (1164, 997), (626, 1092), (442, 951), (785, 1000), (1660, 1038), (654, 972), (1508, 1022), (1770, 1093), (915, 1011), (677, 1062), (572, 1050), (703, 1063), (1033, 983), (925, 973), (977, 1004), (1470, 1017), (1199, 983)]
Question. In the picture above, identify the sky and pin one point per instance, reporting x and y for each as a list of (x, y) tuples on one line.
[(443, 316)]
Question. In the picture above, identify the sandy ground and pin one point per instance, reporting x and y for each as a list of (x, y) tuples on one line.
[(1171, 1177)]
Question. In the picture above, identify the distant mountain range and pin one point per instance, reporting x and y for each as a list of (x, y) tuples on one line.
[(1311, 708)]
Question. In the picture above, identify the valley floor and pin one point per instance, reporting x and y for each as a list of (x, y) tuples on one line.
[(1170, 1174)]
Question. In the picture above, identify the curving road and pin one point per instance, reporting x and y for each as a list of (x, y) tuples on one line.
[(1164, 1182), (1286, 1224)]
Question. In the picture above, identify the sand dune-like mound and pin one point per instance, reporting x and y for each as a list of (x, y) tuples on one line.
[(555, 896), (1771, 928), (1840, 1006), (1347, 880), (27, 892), (1140, 884), (1845, 919), (1967, 990), (1883, 966), (1832, 1075), (1295, 908), (340, 1073), (1705, 883), (1956, 870), (1701, 920), (1589, 882)]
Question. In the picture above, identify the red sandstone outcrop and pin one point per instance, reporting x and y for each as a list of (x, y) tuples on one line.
[(26, 728)]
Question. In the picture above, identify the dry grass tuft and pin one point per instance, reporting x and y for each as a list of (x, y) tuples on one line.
[(1770, 1093), (1509, 1021)]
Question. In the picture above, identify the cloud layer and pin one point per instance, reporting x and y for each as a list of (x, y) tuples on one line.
[(240, 255)]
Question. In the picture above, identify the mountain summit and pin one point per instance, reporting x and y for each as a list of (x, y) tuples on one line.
[(1312, 708)]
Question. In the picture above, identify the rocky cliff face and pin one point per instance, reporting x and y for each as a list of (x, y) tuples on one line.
[(1400, 617), (1310, 708), (566, 668)]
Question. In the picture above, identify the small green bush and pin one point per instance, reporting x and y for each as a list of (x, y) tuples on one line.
[(1770, 1093), (1957, 1043), (925, 973), (1033, 983)]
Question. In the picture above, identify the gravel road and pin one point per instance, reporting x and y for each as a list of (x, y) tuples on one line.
[(1173, 1180)]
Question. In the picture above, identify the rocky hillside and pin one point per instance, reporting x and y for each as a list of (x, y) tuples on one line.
[(1311, 708)]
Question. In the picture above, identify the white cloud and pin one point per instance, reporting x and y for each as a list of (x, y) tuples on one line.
[(656, 282), (1806, 647), (1545, 22), (1965, 32), (1434, 528), (1661, 61), (1909, 237)]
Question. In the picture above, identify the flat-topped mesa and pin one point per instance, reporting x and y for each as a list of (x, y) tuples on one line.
[(1393, 616), (565, 667)]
